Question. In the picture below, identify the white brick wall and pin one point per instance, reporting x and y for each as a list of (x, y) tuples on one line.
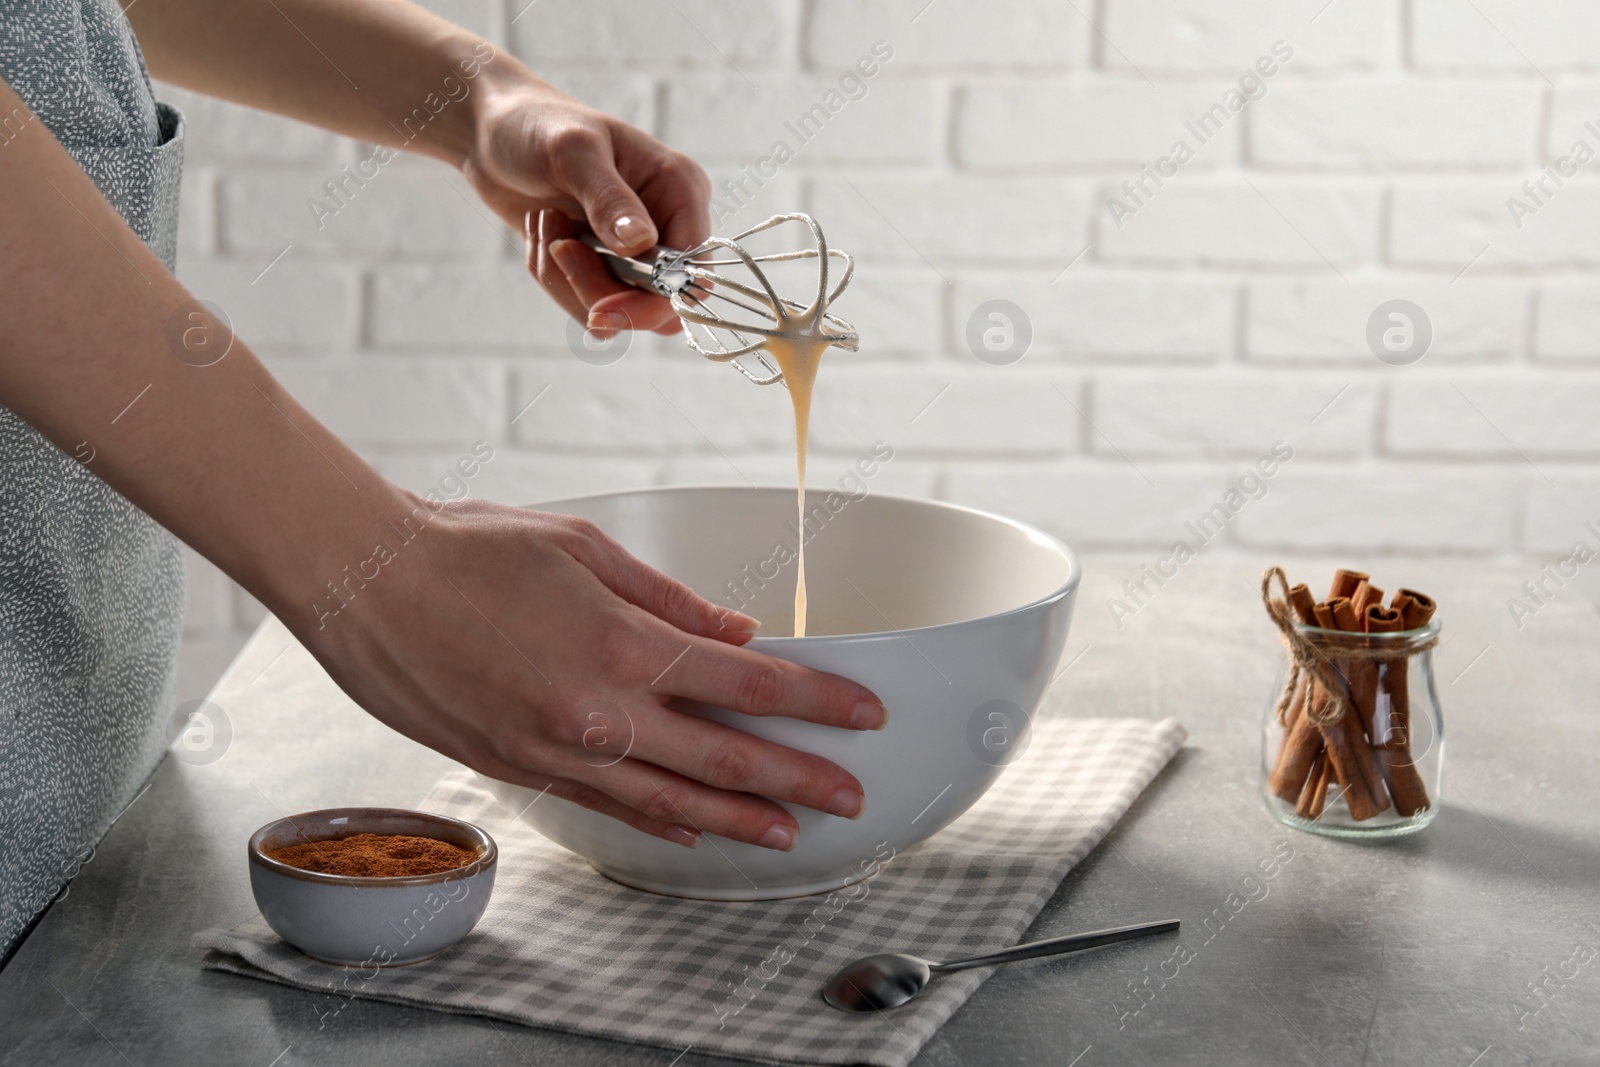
[(1228, 311), (1379, 124), (1008, 127), (1195, 36), (1314, 321), (1220, 221), (1510, 35)]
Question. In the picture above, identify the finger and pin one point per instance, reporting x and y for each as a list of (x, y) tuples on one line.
[(669, 797), (685, 217), (717, 755), (639, 793), (550, 227), (595, 800), (615, 212), (603, 294), (666, 598), (624, 300), (674, 188), (633, 310), (755, 684)]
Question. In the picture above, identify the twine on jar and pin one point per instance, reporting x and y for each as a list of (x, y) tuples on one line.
[(1306, 660)]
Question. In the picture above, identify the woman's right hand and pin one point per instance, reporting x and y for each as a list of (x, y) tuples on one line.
[(534, 648)]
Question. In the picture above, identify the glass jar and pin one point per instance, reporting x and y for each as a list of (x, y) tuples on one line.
[(1377, 769)]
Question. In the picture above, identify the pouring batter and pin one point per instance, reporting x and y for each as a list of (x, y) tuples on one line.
[(798, 360), (770, 328)]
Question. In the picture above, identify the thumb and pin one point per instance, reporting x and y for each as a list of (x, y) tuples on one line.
[(615, 212)]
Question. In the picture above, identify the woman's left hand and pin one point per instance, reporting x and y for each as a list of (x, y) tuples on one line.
[(540, 159)]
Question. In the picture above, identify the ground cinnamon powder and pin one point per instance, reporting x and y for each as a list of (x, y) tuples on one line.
[(375, 855)]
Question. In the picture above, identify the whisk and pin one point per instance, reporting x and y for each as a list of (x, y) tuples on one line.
[(697, 289)]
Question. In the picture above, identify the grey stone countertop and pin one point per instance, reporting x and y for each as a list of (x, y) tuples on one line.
[(1471, 944)]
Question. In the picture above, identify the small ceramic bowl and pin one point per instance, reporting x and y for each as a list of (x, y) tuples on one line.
[(358, 921)]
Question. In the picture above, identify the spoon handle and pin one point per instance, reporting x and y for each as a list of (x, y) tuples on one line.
[(1057, 945)]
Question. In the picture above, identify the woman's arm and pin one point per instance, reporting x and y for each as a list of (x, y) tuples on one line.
[(491, 634), (363, 67), (351, 66)]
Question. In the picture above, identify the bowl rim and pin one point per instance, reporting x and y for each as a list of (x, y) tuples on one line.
[(1074, 577), (488, 855)]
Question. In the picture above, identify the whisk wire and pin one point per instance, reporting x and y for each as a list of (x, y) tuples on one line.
[(691, 280), (774, 315)]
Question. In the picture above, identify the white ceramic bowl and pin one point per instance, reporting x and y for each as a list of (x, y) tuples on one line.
[(376, 922), (954, 617)]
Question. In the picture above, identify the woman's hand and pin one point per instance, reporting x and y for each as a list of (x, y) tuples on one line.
[(527, 148), (533, 648), (540, 159)]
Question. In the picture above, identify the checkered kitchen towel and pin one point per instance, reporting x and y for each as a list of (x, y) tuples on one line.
[(563, 948)]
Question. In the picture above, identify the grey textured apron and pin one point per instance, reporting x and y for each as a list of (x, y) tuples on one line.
[(91, 589)]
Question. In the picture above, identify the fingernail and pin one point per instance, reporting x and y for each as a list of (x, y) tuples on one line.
[(846, 804), (527, 225), (869, 715), (608, 320), (559, 252), (779, 837), (632, 230), (738, 623), (682, 835)]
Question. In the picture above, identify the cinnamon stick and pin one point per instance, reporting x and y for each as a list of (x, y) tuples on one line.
[(1302, 741), (1414, 611), (1354, 764), (1363, 673), (1297, 707), (1364, 596), (1315, 794), (1382, 620), (1304, 606), (1355, 767), (1345, 582), (1305, 739)]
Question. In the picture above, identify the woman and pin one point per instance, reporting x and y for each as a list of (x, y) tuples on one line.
[(494, 634)]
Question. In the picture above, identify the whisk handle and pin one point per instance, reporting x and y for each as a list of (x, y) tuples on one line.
[(639, 273)]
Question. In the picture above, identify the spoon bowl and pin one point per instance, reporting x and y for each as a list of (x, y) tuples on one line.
[(874, 983), (890, 979)]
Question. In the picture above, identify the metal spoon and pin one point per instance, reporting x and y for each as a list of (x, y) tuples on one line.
[(889, 979)]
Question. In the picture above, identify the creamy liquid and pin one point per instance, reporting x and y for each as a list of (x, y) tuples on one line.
[(798, 359)]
